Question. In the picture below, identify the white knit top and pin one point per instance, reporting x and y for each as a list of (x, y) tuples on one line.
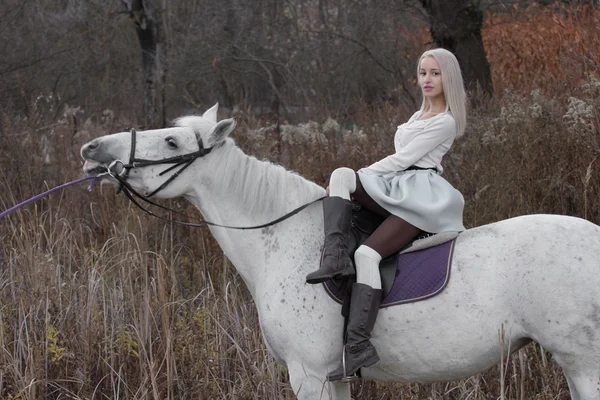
[(422, 143)]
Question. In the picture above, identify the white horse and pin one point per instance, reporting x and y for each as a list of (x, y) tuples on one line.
[(536, 277)]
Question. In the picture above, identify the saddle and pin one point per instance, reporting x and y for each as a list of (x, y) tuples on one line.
[(364, 223), (422, 266)]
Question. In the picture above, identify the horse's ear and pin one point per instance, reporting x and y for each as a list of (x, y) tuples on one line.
[(211, 113), (220, 131)]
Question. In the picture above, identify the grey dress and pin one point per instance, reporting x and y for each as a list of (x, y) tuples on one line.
[(421, 197)]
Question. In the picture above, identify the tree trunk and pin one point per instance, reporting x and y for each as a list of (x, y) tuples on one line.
[(146, 16), (456, 26)]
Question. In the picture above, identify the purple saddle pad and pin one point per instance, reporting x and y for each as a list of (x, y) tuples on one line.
[(420, 275)]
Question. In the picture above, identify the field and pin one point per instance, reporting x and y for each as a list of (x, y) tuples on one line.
[(98, 301)]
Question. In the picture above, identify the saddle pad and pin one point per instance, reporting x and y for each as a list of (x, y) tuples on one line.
[(420, 275)]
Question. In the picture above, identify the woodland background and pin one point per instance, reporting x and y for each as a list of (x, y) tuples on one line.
[(99, 301)]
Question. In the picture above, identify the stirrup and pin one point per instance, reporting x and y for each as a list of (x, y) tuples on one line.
[(346, 378)]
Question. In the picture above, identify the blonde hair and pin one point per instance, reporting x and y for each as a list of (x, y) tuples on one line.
[(452, 84)]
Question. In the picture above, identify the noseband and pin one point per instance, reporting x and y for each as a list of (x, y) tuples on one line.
[(184, 160)]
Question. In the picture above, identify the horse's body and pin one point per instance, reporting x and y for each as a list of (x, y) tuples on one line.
[(534, 277)]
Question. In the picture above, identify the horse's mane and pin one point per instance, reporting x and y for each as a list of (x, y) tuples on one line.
[(266, 187)]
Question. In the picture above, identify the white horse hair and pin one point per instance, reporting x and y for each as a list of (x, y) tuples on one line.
[(265, 186), (534, 277)]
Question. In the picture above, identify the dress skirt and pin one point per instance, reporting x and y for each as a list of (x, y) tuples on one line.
[(420, 197)]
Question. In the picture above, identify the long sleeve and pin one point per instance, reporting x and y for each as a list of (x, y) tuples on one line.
[(437, 134)]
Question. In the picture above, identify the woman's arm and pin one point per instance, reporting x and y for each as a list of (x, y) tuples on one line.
[(440, 130)]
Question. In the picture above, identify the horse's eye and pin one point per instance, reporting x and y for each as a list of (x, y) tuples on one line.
[(171, 142)]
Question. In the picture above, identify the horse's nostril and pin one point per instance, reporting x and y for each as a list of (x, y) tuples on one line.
[(93, 144), (88, 150)]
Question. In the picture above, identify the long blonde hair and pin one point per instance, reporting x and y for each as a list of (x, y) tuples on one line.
[(452, 84)]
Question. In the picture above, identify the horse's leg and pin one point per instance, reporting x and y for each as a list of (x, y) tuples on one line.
[(583, 375), (341, 391), (572, 388), (310, 385), (583, 386)]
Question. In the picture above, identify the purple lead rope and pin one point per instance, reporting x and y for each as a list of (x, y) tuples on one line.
[(39, 196)]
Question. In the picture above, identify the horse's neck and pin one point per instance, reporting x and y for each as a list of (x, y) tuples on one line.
[(248, 192)]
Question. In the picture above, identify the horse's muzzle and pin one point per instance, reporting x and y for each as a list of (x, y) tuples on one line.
[(97, 151), (94, 168)]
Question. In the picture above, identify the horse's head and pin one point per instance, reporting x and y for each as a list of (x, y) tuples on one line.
[(149, 160)]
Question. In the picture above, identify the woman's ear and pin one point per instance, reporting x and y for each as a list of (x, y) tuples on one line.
[(220, 131)]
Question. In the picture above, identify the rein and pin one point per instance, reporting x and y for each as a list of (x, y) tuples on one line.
[(184, 160), (132, 194), (46, 193)]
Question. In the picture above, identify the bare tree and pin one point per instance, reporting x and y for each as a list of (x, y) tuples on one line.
[(456, 26), (288, 59), (147, 17)]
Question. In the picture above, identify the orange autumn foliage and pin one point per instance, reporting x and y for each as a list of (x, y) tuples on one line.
[(552, 48)]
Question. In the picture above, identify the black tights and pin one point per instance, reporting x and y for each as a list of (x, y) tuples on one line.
[(393, 234)]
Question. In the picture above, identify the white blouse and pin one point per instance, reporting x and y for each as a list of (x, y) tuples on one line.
[(422, 143)]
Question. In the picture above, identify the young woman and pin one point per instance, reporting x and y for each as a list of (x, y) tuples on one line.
[(407, 189)]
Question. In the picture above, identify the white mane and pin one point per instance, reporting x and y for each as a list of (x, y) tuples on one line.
[(267, 187)]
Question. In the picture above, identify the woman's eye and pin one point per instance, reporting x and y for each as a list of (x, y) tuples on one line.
[(171, 143)]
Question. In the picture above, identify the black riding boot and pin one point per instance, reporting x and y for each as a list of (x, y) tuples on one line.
[(335, 260), (359, 352)]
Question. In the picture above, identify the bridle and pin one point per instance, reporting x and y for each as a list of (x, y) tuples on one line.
[(184, 160)]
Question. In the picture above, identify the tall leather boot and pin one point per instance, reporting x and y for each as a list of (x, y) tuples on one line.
[(358, 351), (335, 260)]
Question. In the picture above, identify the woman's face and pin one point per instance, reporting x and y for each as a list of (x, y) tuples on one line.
[(430, 78)]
